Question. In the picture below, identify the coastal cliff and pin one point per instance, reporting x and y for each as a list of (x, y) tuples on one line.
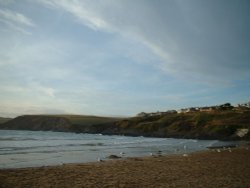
[(37, 123), (222, 125), (62, 123)]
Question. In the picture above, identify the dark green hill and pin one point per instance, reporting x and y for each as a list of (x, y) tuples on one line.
[(3, 120), (67, 123)]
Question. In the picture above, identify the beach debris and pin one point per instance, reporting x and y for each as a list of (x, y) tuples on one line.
[(159, 153), (114, 157)]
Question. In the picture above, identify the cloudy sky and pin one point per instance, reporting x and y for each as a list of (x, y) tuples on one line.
[(121, 57)]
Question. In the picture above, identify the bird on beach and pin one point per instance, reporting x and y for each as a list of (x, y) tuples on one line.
[(122, 153), (185, 147), (218, 150), (99, 159)]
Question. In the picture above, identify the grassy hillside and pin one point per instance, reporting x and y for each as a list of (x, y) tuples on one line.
[(3, 120), (67, 123), (206, 125), (87, 120)]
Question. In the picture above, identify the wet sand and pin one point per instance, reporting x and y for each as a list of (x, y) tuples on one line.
[(202, 169)]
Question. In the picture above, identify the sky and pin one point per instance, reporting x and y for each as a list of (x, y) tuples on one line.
[(121, 57)]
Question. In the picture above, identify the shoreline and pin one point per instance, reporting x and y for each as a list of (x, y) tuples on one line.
[(199, 169), (122, 155)]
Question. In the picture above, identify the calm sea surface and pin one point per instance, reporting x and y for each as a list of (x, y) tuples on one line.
[(42, 148)]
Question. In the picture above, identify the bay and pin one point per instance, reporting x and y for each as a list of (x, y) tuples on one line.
[(20, 149)]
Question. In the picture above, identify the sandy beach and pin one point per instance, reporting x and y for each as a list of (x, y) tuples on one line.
[(202, 169)]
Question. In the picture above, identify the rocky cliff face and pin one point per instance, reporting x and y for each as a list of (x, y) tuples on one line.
[(35, 123)]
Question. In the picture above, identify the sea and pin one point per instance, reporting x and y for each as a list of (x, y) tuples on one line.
[(20, 149)]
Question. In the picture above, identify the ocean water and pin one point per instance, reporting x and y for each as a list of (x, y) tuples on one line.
[(43, 148)]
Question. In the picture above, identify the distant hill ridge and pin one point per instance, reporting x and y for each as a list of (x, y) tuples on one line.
[(64, 123), (38, 122), (217, 124)]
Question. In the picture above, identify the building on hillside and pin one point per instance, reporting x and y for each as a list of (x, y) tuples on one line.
[(171, 112), (186, 110), (247, 105), (142, 114)]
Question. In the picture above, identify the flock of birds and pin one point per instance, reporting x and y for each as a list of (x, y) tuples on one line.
[(159, 153), (156, 154)]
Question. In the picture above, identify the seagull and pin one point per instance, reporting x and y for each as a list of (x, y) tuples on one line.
[(99, 159), (185, 147), (218, 150), (122, 153)]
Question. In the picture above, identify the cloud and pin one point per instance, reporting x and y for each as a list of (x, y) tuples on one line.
[(80, 10), (16, 20), (48, 91), (16, 28), (15, 17), (16, 108), (186, 37), (32, 98), (121, 57), (29, 90)]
